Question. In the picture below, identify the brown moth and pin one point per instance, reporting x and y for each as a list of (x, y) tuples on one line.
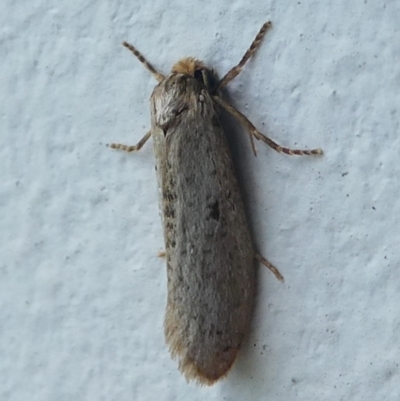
[(209, 250)]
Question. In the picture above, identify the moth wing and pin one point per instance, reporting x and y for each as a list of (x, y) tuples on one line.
[(210, 258)]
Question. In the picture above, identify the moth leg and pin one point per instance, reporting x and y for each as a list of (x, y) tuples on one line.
[(161, 254), (233, 111), (235, 71), (258, 135), (133, 148), (158, 76), (270, 266)]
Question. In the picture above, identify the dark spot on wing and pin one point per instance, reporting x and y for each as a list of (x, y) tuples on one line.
[(214, 210)]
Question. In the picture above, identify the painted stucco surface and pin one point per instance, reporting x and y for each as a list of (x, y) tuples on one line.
[(82, 291)]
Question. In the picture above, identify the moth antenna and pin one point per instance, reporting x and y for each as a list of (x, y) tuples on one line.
[(158, 76), (235, 71)]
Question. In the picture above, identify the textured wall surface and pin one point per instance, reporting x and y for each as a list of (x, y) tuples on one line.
[(82, 291)]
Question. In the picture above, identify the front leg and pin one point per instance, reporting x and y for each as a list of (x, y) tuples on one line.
[(259, 136), (132, 148)]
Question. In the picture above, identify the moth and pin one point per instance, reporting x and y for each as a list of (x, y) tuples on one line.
[(208, 246)]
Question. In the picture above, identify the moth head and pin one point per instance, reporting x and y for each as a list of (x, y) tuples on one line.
[(196, 69)]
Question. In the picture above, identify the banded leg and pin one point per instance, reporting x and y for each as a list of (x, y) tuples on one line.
[(133, 148), (270, 266), (235, 71), (162, 254), (258, 135), (158, 76)]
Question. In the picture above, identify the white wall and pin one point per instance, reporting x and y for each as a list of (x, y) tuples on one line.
[(82, 292)]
